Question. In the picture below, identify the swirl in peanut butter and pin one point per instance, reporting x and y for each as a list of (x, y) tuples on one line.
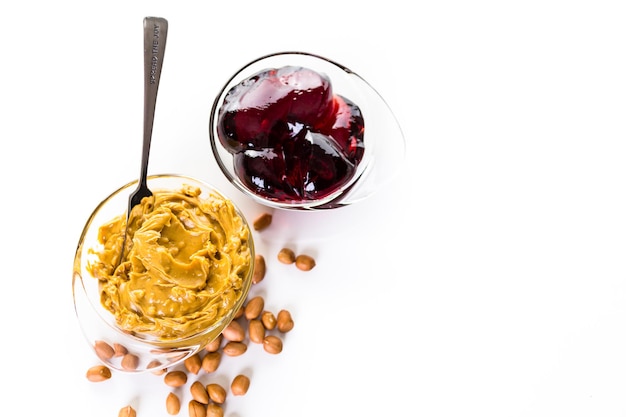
[(184, 267)]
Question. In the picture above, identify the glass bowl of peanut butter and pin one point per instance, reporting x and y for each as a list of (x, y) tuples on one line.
[(184, 273)]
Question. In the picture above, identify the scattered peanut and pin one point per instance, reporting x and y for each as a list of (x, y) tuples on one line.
[(262, 222), (98, 373), (211, 361), (272, 344), (119, 350), (130, 362), (234, 332), (240, 385), (234, 348), (256, 331), (172, 404), (215, 344), (175, 378), (155, 364), (284, 321), (196, 409), (193, 364), (217, 393), (305, 262), (239, 313), (254, 307), (104, 350), (199, 392), (259, 269), (268, 319), (286, 256), (214, 410), (127, 411)]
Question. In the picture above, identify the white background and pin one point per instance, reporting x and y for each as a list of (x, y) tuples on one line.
[(488, 280)]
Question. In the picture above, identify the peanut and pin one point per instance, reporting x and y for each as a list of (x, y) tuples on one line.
[(130, 362), (175, 378), (262, 221), (119, 350), (256, 331), (196, 409), (214, 345), (217, 393), (234, 348), (259, 269), (155, 364), (214, 410), (269, 320), (286, 256), (234, 332), (240, 385), (199, 392), (284, 321), (98, 373), (254, 307), (172, 404), (305, 262), (239, 313), (193, 364), (211, 361), (272, 344), (127, 411), (104, 350)]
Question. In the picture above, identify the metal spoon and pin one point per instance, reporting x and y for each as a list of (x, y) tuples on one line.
[(154, 39)]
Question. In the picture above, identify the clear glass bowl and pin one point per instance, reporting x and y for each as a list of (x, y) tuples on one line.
[(383, 139), (98, 323)]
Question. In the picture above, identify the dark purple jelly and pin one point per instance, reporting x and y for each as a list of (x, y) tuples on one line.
[(292, 138)]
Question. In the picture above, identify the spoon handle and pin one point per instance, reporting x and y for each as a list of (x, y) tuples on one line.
[(155, 36)]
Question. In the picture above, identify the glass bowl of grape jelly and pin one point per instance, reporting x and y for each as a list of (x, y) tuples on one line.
[(294, 130)]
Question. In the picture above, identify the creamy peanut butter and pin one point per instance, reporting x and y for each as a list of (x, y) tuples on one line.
[(184, 265)]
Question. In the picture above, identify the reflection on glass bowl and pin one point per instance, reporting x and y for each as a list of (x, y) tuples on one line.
[(159, 306), (262, 156)]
